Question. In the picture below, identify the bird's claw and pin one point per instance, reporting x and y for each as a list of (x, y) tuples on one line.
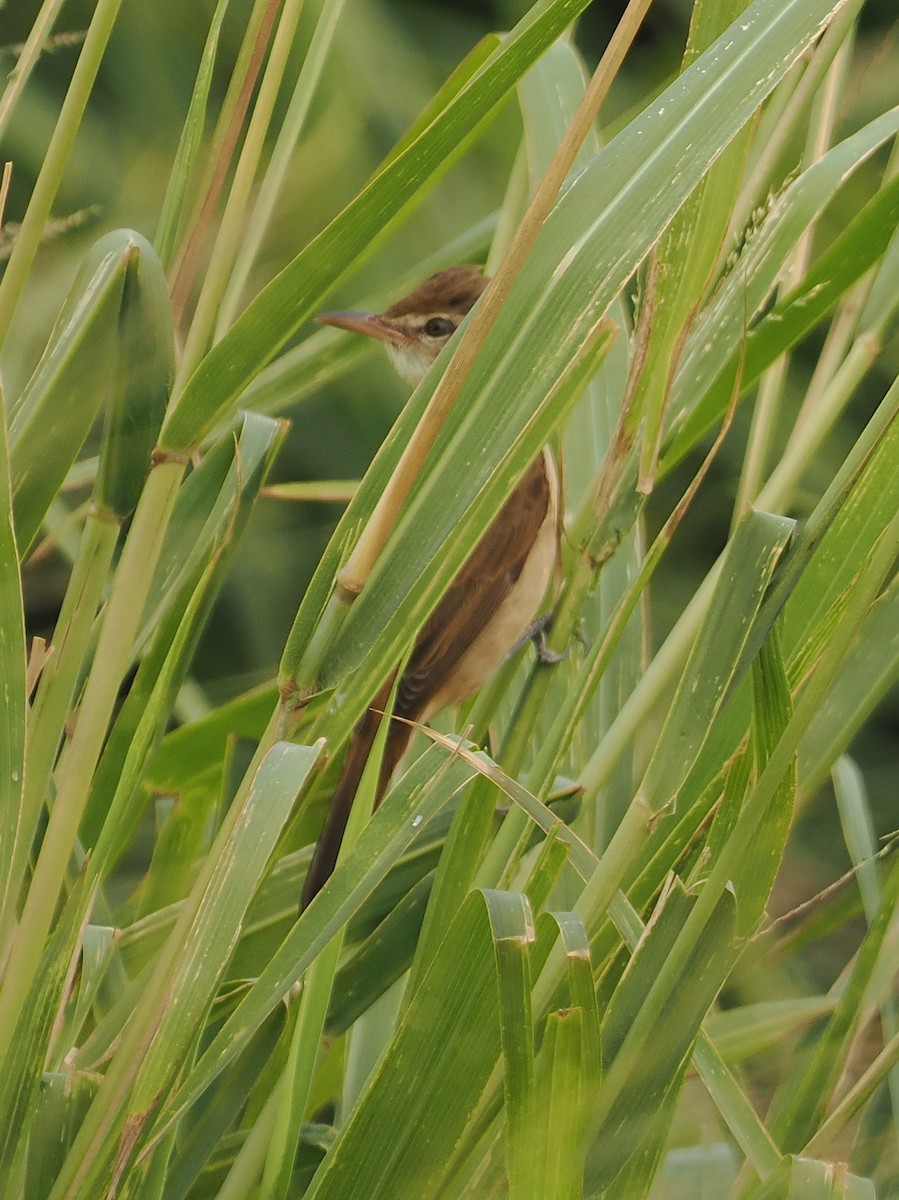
[(536, 633)]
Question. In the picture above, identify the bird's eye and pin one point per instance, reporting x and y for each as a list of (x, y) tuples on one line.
[(439, 327)]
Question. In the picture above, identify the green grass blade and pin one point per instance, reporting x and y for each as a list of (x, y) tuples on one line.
[(381, 960), (195, 749), (23, 1066), (870, 670), (60, 403), (56, 690), (560, 1086), (568, 1067), (226, 483), (142, 381), (549, 95), (772, 710), (465, 844), (60, 1108), (752, 1029), (14, 826), (512, 929), (858, 829), (735, 1107), (749, 564)]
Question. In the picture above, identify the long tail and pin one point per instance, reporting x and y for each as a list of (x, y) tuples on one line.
[(325, 857)]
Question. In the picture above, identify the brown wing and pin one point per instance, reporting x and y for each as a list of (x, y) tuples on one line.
[(467, 608), (476, 593)]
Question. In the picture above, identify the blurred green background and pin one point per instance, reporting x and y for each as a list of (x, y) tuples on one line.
[(396, 55)]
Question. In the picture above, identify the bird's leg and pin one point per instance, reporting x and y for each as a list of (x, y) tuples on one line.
[(536, 633)]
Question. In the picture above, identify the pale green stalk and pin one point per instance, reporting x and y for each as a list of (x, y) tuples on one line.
[(877, 298), (818, 141), (368, 1040), (188, 251), (53, 701), (41, 203), (758, 447), (841, 330), (759, 181), (231, 229), (153, 1185), (276, 173), (515, 201), (801, 452), (113, 654), (25, 64), (250, 1161), (770, 392), (836, 346), (735, 1107), (663, 669), (506, 847), (640, 705)]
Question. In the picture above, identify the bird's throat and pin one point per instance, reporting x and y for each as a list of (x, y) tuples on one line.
[(410, 359)]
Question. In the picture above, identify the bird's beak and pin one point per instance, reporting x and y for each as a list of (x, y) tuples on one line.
[(363, 322)]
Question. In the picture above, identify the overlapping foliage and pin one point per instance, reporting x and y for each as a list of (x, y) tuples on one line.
[(516, 982)]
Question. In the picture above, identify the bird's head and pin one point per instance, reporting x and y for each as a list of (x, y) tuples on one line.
[(416, 328)]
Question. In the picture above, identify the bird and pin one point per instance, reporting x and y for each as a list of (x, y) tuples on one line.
[(490, 607)]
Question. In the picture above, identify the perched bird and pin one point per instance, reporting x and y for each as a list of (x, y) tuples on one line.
[(490, 606)]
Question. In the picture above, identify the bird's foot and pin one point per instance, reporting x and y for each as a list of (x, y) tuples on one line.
[(536, 633)]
